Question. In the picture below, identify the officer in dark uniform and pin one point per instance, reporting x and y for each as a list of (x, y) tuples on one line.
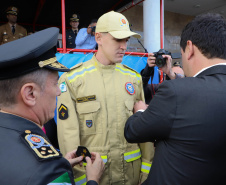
[(11, 31), (72, 33), (28, 90)]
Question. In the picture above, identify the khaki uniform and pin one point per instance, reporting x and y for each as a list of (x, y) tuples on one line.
[(95, 103), (6, 34)]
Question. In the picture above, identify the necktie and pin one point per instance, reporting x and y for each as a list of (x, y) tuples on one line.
[(13, 29)]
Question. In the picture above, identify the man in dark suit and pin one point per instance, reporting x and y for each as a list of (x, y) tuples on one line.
[(186, 118)]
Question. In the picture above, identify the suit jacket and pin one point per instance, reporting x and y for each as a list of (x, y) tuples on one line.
[(187, 121), (6, 34)]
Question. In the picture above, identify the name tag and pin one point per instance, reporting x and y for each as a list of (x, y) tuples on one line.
[(86, 98)]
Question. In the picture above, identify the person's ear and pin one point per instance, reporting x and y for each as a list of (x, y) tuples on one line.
[(190, 49), (29, 94), (98, 37)]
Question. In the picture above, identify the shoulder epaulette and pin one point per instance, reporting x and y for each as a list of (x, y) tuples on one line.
[(130, 68), (77, 65), (39, 145)]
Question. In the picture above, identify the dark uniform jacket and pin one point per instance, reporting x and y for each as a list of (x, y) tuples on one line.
[(187, 121), (27, 157), (70, 38), (6, 34)]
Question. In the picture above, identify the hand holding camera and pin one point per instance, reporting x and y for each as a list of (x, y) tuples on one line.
[(161, 59), (91, 30)]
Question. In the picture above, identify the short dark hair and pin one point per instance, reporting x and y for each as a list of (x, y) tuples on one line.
[(93, 21), (208, 33)]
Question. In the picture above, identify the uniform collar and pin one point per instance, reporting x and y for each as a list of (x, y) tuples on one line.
[(12, 25), (18, 123), (98, 65)]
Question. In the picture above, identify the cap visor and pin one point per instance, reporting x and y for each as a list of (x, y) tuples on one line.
[(124, 34)]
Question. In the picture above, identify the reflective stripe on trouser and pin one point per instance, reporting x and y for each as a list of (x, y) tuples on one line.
[(104, 157), (132, 156), (81, 180), (145, 167)]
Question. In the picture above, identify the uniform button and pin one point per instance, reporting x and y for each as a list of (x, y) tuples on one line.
[(50, 151), (43, 148), (43, 152), (27, 131)]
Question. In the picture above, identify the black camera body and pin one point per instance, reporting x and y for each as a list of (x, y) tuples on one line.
[(93, 28), (160, 61)]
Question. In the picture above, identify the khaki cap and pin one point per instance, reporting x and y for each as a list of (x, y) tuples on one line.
[(116, 24)]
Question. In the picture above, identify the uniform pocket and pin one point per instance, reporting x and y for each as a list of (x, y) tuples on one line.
[(129, 108), (132, 163), (89, 117)]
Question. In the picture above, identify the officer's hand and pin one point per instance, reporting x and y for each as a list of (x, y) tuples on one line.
[(73, 159), (167, 69), (140, 105), (94, 167), (151, 60)]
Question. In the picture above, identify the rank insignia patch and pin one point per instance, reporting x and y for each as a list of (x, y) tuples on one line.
[(83, 151), (63, 87), (86, 98), (40, 145), (129, 88), (63, 112), (89, 123)]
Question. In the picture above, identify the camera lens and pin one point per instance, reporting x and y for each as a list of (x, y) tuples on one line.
[(160, 61)]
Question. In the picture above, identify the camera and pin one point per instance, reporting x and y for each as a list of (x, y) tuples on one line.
[(93, 29), (160, 61)]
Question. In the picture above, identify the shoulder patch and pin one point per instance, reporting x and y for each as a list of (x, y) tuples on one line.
[(63, 112), (39, 145), (77, 65), (63, 87), (130, 68)]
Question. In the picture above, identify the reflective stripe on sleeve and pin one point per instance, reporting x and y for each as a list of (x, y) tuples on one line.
[(145, 167), (81, 180), (132, 156)]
